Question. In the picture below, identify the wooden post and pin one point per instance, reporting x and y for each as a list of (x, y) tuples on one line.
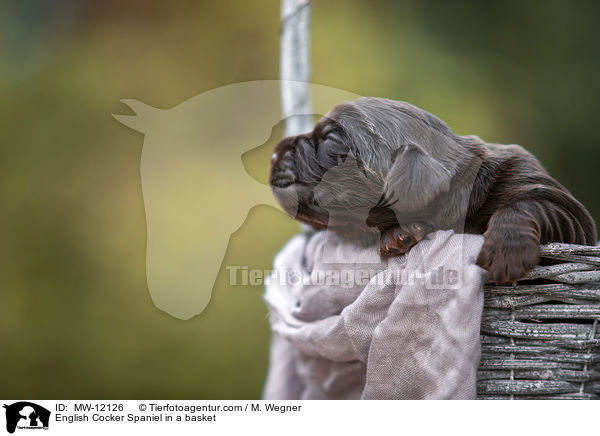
[(294, 68)]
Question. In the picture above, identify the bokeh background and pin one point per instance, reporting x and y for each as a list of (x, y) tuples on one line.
[(76, 319)]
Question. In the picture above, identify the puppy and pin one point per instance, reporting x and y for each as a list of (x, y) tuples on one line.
[(404, 173)]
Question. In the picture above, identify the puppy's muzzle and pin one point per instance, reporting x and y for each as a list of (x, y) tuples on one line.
[(283, 170), (283, 166)]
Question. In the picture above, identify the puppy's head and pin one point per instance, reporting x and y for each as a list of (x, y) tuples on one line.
[(367, 165)]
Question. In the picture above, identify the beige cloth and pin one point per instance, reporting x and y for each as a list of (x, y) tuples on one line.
[(347, 325)]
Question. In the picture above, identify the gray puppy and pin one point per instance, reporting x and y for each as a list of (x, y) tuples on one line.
[(413, 175)]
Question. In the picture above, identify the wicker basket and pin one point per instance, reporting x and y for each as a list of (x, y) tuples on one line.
[(541, 338)]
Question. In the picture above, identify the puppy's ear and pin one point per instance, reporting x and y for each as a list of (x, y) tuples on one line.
[(415, 178)]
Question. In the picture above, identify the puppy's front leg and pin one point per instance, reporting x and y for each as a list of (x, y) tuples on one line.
[(512, 240), (399, 239)]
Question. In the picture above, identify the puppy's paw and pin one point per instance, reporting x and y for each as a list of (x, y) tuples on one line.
[(508, 255), (398, 240)]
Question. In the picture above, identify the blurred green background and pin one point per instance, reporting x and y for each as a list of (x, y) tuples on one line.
[(76, 319)]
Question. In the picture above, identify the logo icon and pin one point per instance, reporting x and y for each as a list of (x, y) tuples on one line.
[(26, 415), (195, 187)]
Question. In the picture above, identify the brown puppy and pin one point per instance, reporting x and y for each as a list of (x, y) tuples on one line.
[(382, 169)]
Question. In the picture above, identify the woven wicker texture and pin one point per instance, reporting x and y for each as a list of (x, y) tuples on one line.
[(541, 338)]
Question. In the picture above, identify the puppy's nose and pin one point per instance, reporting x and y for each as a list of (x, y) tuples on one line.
[(282, 169)]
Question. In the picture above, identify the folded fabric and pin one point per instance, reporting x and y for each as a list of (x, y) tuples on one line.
[(348, 325)]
